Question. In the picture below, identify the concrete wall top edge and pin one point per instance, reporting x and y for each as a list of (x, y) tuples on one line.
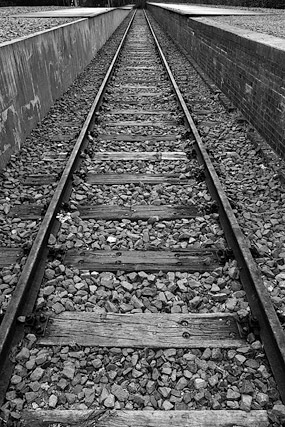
[(269, 47), (272, 41), (20, 39), (39, 33)]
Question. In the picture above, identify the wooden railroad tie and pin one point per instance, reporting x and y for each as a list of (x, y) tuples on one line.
[(135, 155), (123, 418), (136, 123), (136, 178), (141, 330), (190, 260), (138, 138), (113, 179), (132, 112), (110, 212)]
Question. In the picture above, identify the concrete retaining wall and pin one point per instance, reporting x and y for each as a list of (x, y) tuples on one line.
[(36, 70), (248, 67)]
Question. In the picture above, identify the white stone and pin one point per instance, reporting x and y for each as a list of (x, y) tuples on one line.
[(199, 383), (52, 402), (245, 403)]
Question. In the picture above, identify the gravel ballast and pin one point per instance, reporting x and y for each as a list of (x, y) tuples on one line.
[(141, 292), (79, 378)]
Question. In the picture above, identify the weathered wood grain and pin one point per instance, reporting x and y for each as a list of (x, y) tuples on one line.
[(26, 211), (144, 155), (141, 67), (136, 87), (135, 101), (126, 95), (137, 138), (188, 260), (133, 112), (39, 179), (145, 58), (202, 418), (141, 79), (51, 156), (9, 256), (136, 212), (161, 123), (153, 330), (126, 178)]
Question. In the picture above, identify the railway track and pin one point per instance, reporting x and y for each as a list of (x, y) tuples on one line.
[(125, 298)]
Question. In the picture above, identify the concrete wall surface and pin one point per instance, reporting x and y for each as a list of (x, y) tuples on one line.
[(248, 67), (36, 70)]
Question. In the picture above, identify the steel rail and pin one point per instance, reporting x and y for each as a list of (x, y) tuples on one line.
[(271, 332), (37, 256)]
